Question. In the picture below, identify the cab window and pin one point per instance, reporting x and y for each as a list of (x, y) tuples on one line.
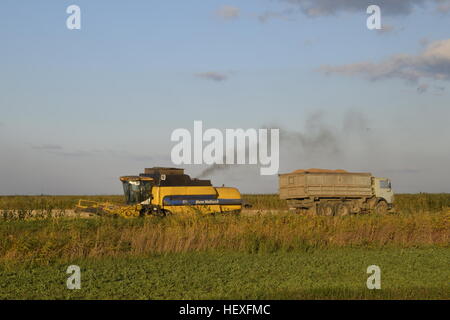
[(385, 184), (136, 191)]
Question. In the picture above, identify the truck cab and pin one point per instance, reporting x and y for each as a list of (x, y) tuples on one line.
[(383, 189)]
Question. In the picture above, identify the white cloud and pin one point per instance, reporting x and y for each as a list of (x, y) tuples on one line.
[(228, 12), (386, 28), (389, 7), (286, 15), (213, 76), (432, 63), (422, 88), (444, 6), (47, 147)]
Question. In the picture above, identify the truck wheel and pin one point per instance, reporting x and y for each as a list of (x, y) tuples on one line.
[(326, 209), (382, 207), (343, 209)]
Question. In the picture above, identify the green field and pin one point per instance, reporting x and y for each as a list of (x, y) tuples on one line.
[(316, 274), (276, 255)]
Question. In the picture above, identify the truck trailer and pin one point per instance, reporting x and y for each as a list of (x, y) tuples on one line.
[(335, 192)]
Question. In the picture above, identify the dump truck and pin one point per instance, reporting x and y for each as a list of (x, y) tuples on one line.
[(335, 192), (161, 191)]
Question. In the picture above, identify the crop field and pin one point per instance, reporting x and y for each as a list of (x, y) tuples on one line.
[(404, 203), (265, 253)]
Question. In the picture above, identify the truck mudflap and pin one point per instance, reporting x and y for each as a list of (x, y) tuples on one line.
[(391, 207)]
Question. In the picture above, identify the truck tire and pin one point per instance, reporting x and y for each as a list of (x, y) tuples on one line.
[(343, 209), (327, 209), (381, 207)]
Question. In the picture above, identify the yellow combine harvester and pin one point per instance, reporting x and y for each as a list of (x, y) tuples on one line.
[(162, 191)]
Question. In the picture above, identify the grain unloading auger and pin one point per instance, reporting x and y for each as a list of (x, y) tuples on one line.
[(163, 191)]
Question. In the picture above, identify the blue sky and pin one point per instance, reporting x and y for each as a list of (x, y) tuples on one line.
[(81, 107)]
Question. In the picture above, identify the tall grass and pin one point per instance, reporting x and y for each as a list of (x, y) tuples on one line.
[(422, 202), (46, 241), (410, 203), (422, 220), (265, 201)]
